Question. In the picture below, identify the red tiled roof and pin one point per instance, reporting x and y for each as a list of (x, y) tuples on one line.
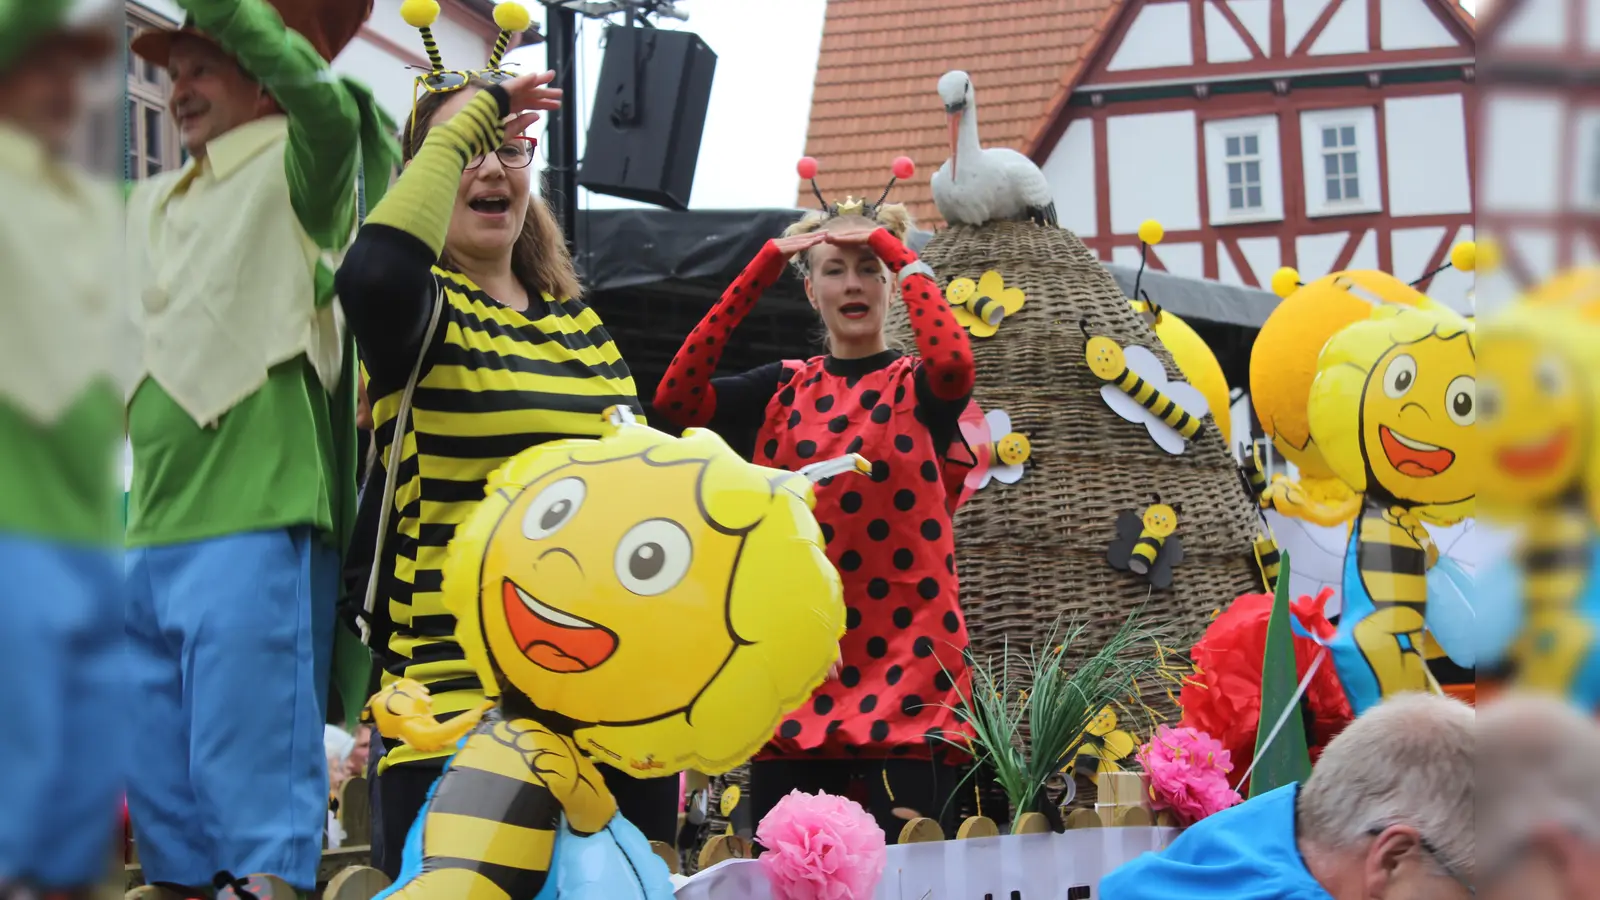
[(875, 96)]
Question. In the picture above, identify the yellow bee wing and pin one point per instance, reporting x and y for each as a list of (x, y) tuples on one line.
[(977, 326), (1119, 744), (1012, 299), (1104, 723), (991, 284)]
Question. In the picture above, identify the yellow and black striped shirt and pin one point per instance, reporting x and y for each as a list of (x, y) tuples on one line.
[(495, 382)]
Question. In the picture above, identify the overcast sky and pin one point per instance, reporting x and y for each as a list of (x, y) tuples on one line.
[(760, 99)]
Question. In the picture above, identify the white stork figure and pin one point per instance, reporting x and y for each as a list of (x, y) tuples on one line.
[(975, 185)]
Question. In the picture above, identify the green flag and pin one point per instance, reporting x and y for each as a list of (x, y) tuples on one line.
[(1282, 758)]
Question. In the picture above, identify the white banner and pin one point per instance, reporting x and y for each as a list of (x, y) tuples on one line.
[(1065, 866)]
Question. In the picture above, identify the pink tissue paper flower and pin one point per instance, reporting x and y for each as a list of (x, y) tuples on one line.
[(821, 847), (1187, 772)]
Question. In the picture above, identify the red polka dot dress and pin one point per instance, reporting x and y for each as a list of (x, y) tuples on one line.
[(889, 534)]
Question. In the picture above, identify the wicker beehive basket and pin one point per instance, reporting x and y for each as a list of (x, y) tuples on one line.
[(1034, 551)]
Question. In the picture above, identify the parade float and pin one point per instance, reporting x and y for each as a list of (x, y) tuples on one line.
[(1103, 531)]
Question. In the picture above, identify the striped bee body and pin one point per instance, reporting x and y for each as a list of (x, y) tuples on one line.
[(1392, 564), (1145, 552), (1269, 560), (988, 309), (1557, 638), (1146, 545), (1158, 403), (489, 828), (1136, 388)]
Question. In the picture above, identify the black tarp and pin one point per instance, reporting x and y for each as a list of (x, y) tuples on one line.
[(632, 248)]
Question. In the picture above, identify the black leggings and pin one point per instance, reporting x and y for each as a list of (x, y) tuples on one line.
[(651, 804), (926, 787)]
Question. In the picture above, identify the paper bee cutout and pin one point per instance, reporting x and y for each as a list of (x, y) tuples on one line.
[(980, 307), (1136, 388), (1146, 544)]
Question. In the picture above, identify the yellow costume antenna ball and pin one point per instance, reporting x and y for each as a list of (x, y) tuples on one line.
[(512, 17), (1151, 232), (1285, 281), (422, 13), (1464, 256)]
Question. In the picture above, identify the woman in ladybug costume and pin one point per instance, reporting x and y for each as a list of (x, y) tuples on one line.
[(871, 732)]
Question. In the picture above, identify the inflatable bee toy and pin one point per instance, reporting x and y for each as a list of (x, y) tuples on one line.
[(575, 585)]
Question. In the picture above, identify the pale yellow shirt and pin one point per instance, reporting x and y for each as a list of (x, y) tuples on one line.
[(223, 275), (60, 277)]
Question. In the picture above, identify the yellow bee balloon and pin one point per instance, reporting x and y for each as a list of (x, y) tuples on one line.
[(1537, 389), (1283, 362), (1539, 380), (1393, 409), (669, 599)]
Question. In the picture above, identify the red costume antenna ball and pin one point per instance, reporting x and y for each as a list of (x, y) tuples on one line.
[(904, 168), (807, 167)]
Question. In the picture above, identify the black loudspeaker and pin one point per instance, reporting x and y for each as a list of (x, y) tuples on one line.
[(649, 112)]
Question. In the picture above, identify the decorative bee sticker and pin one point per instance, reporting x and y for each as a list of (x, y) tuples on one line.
[(980, 307), (1146, 544), (1136, 388), (998, 451), (1103, 745)]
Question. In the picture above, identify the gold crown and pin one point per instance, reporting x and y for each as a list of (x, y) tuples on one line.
[(851, 206)]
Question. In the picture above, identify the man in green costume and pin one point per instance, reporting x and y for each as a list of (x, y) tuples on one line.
[(60, 423), (242, 426)]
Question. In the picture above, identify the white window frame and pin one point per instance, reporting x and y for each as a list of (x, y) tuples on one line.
[(1265, 130), (1585, 159), (1249, 146), (151, 136), (1364, 121)]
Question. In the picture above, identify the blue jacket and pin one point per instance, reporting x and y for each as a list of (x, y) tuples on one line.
[(1247, 852)]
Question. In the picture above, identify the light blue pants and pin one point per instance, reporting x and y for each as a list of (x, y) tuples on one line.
[(229, 643), (60, 671)]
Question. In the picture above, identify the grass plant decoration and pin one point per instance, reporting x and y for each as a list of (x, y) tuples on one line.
[(1028, 716)]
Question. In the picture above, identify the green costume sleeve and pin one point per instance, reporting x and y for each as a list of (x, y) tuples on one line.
[(325, 121), (420, 203)]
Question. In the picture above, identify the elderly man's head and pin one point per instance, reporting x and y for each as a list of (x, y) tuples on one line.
[(1388, 810), (1539, 809)]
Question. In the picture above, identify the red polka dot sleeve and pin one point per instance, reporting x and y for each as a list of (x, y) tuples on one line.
[(941, 341), (685, 396)]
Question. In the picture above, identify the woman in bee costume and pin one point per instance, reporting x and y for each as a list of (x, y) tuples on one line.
[(873, 732)]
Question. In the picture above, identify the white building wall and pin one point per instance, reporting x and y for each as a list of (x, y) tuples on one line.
[(1427, 155), (1070, 171), (1152, 165), (1410, 25), (1346, 31), (1223, 44), (1159, 36)]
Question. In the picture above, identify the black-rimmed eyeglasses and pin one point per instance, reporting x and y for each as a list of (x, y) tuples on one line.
[(515, 153)]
